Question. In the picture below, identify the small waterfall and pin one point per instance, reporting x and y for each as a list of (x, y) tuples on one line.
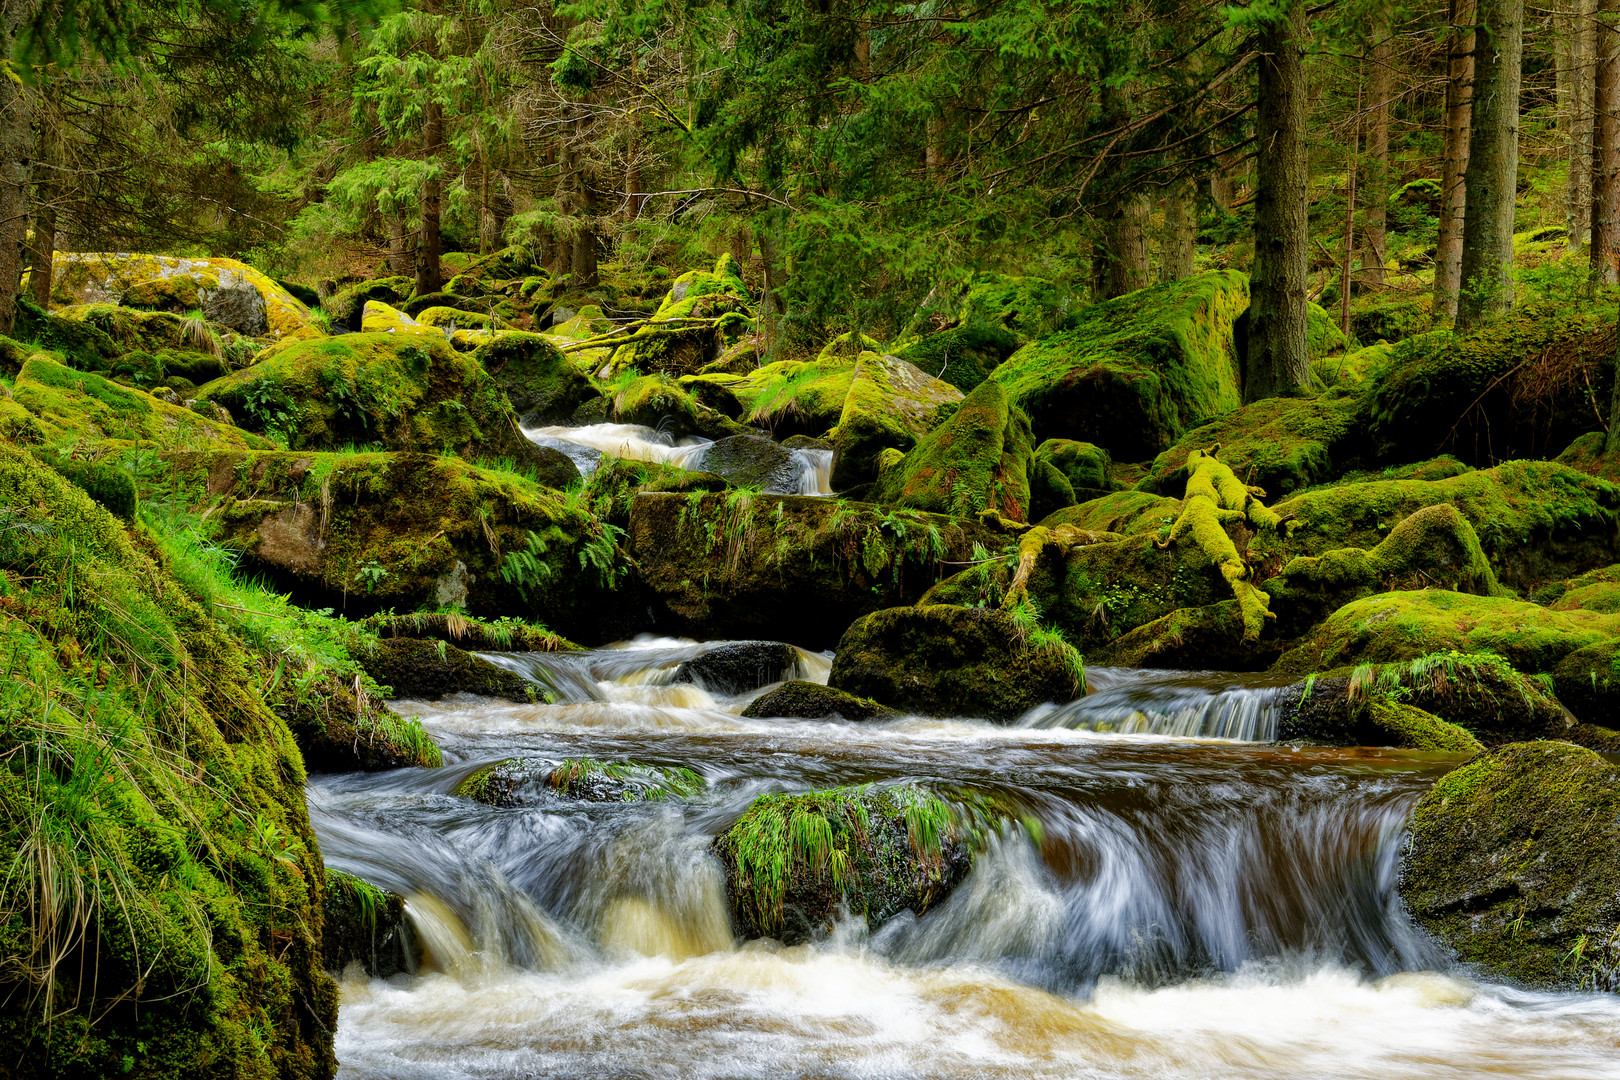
[(1184, 704), (815, 471), (631, 441)]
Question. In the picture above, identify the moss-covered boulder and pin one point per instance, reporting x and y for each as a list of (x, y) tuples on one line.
[(1030, 308), (1086, 467), (467, 632), (1521, 385), (1137, 372), (1514, 862), (1395, 626), (229, 292), (403, 392), (657, 401), (162, 806), (414, 668), (77, 406), (1480, 693), (543, 386), (963, 356), (355, 532), (612, 489), (944, 660), (795, 863), (738, 667), (341, 726), (890, 405), (1123, 512), (525, 781), (801, 700), (1433, 548), (979, 459), (789, 397), (1280, 444), (365, 925), (728, 565), (347, 306), (1537, 522)]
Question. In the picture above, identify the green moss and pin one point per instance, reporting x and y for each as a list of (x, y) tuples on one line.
[(1085, 466), (406, 393), (165, 907), (1136, 372), (1121, 512), (178, 294), (347, 304), (81, 345), (792, 860), (541, 383), (790, 397), (803, 700), (1280, 445), (890, 405), (364, 925), (1522, 385), (1030, 308), (448, 316), (944, 660), (1536, 521), (520, 781), (74, 405), (963, 356), (1323, 338), (977, 460), (1514, 861), (1433, 548)]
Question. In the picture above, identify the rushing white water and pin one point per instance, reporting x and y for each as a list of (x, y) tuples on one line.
[(585, 445), (1187, 704), (1192, 908)]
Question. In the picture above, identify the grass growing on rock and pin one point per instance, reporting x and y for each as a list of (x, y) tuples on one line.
[(514, 781)]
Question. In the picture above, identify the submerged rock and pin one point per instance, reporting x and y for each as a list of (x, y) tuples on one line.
[(365, 925), (801, 700), (414, 668), (794, 863), (943, 660), (1514, 862), (749, 461), (739, 666), (523, 781), (733, 565)]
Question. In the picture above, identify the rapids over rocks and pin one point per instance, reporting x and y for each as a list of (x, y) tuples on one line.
[(1187, 902)]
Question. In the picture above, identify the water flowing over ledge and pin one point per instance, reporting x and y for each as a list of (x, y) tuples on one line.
[(586, 446)]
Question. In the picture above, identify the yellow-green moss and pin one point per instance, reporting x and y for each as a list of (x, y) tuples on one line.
[(890, 403), (977, 460), (74, 405)]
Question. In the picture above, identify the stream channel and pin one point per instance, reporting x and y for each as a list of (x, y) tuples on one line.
[(1198, 904)]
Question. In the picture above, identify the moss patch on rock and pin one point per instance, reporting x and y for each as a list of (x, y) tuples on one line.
[(963, 356), (1514, 861), (944, 660), (524, 781), (1137, 372), (1281, 445), (801, 700), (77, 406), (977, 460), (365, 925), (793, 862), (542, 385), (891, 404), (405, 393)]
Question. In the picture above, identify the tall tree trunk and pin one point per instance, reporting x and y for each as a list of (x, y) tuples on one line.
[(400, 260), (1375, 179), (1575, 87), (1346, 280), (1124, 247), (17, 141), (585, 240), (1223, 183), (1177, 243), (429, 277), (1278, 362), (933, 152), (1606, 147), (635, 198), (1453, 190), (41, 261), (486, 215), (1493, 164)]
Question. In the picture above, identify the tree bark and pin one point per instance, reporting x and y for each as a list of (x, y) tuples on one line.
[(17, 141), (1493, 164), (429, 277), (41, 261), (770, 306), (1576, 73), (1123, 249), (1346, 280), (585, 240), (1453, 190), (1178, 242), (1278, 363), (1606, 147), (1375, 179)]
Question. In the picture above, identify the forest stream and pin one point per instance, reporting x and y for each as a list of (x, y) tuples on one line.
[(1186, 903)]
